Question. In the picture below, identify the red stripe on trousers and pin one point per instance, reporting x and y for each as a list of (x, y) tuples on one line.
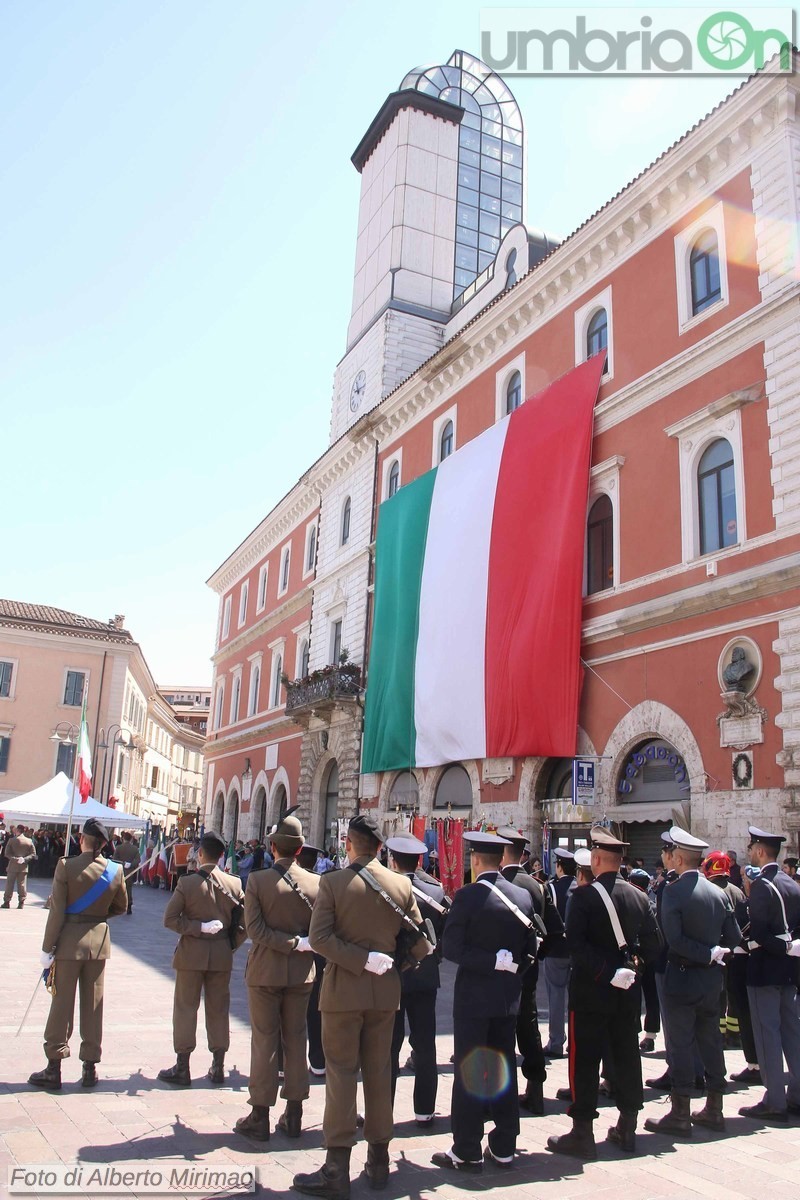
[(535, 578), (571, 1054)]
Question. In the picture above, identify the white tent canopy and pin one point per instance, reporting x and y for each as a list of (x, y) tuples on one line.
[(49, 805)]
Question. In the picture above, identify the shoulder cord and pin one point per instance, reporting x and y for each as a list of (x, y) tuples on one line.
[(283, 874), (537, 924)]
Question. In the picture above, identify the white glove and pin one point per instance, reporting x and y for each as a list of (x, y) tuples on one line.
[(623, 978), (45, 959), (21, 861), (378, 963), (303, 945), (504, 961), (210, 926), (718, 954), (793, 949)]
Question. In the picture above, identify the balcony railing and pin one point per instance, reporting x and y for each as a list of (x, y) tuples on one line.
[(323, 688)]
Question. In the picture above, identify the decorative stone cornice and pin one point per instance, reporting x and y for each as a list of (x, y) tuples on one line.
[(239, 644), (295, 507)]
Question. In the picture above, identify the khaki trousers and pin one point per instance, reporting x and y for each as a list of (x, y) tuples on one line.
[(352, 1040), (278, 1015), (215, 987), (16, 874), (88, 976)]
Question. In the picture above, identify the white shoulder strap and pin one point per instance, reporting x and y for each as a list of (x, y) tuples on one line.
[(428, 899), (518, 913), (612, 913), (786, 933), (552, 889)]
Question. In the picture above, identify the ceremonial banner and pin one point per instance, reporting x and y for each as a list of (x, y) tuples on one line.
[(450, 842), (479, 569)]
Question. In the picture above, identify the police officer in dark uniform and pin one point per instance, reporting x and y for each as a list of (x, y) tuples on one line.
[(529, 1039), (556, 961), (699, 928), (491, 944), (607, 923), (772, 978), (419, 988)]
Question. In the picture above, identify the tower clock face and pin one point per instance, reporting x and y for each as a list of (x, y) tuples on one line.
[(357, 390)]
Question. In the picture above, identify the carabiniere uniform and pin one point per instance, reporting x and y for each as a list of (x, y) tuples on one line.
[(87, 890)]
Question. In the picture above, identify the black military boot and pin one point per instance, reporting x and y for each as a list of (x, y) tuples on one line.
[(216, 1072), (533, 1099), (377, 1167), (678, 1121), (89, 1075), (623, 1134), (20, 903), (6, 904), (332, 1180), (663, 1083), (578, 1143), (711, 1116), (255, 1125), (179, 1074), (291, 1119), (50, 1077)]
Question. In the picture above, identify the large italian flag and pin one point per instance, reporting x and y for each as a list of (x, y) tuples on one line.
[(479, 568)]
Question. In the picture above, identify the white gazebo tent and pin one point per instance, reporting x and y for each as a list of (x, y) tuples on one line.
[(49, 805)]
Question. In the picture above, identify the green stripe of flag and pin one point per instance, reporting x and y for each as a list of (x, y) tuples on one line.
[(389, 733)]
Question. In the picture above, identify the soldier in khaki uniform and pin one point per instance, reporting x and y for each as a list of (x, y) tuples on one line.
[(203, 909), (19, 851), (279, 976), (127, 853), (87, 889), (357, 931)]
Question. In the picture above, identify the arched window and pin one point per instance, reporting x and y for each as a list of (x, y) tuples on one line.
[(276, 682), (304, 654), (600, 546), (511, 273), (716, 497), (237, 687), (312, 548), (285, 570), (346, 522), (330, 832), (255, 680), (704, 271), (513, 392), (394, 478), (559, 780), (597, 335), (446, 441), (405, 791), (454, 789)]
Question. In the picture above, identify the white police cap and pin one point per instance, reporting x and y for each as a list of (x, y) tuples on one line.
[(686, 841)]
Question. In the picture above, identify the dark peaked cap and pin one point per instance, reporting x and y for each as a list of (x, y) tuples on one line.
[(603, 839), (773, 840), (513, 835), (489, 843)]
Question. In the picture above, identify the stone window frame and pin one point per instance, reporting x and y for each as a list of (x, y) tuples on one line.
[(713, 219)]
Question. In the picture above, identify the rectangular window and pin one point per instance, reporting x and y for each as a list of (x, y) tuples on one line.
[(65, 761), (73, 691), (154, 778), (5, 747), (6, 671), (220, 701), (336, 642), (243, 603)]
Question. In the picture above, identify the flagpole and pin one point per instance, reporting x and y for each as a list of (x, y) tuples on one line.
[(75, 772)]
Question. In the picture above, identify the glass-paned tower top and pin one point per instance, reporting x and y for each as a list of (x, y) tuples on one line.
[(490, 158)]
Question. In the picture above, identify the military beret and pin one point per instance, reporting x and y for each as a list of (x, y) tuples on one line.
[(405, 844), (774, 840), (603, 839), (562, 852), (95, 828), (490, 843), (212, 843), (717, 863), (513, 835), (366, 823), (583, 857), (686, 841)]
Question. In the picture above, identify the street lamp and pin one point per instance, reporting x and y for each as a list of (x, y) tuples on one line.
[(66, 734)]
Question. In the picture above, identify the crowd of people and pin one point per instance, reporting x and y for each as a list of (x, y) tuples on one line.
[(344, 964)]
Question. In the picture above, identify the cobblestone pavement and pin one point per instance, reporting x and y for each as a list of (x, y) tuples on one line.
[(130, 1120)]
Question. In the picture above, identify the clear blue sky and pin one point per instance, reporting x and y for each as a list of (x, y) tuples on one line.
[(177, 236)]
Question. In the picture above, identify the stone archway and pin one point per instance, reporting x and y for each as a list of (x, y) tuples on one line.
[(218, 812), (650, 719)]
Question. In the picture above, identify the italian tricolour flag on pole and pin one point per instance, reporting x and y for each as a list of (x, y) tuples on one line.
[(479, 570), (84, 759)]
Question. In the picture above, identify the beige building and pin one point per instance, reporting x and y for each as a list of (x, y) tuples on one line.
[(48, 659)]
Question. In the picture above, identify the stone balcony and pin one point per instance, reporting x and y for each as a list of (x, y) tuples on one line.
[(322, 691)]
